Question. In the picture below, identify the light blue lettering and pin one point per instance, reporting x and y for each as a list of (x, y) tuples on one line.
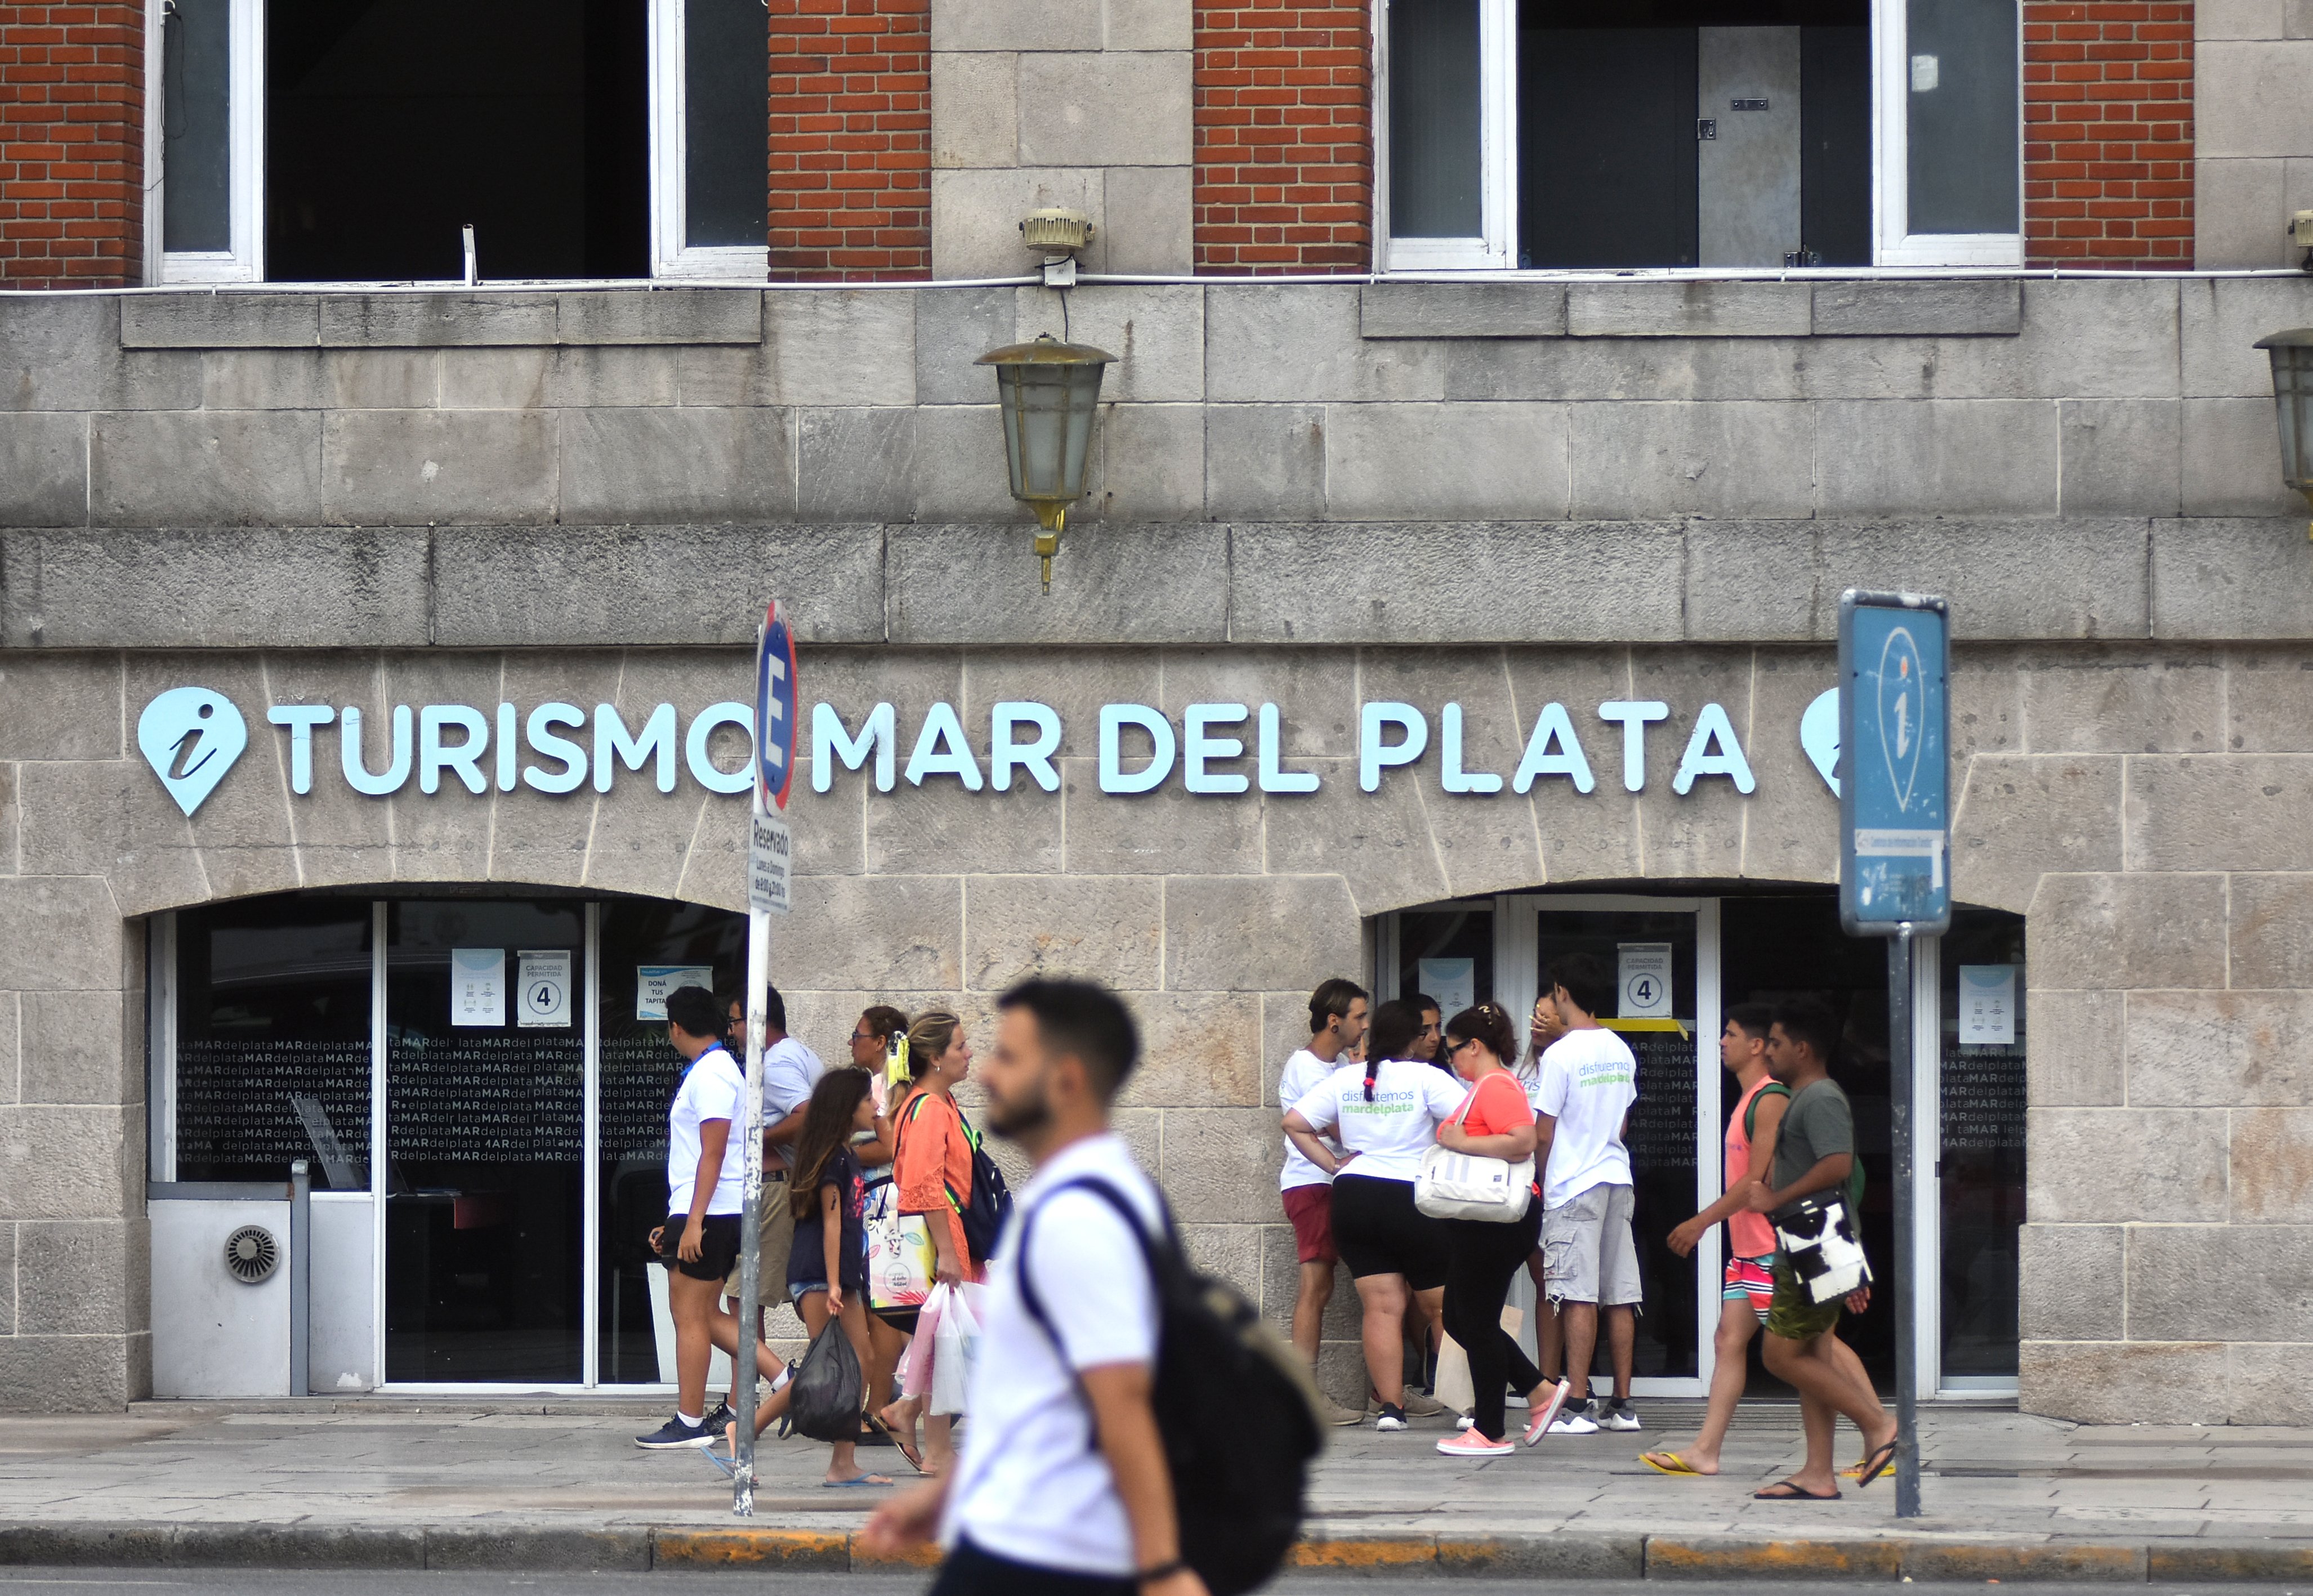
[(879, 731), (349, 750), (1633, 716), (1197, 747), (1273, 778), (613, 744), (301, 719), (941, 750), (1553, 728), (694, 747), (1713, 750), (1162, 748), (1450, 774), (543, 740), (465, 758), (1374, 755), (1004, 754)]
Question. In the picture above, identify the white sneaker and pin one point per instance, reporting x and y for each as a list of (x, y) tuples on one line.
[(1574, 1419), (1619, 1415), (1464, 1422), (1391, 1418)]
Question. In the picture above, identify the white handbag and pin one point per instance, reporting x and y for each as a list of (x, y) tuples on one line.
[(1464, 1185)]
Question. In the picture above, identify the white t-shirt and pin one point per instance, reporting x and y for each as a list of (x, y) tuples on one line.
[(713, 1088), (790, 1071), (1303, 1072), (1589, 1081), (1032, 1485), (1389, 1134)]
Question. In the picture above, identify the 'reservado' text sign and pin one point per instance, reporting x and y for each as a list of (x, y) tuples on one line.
[(1895, 763)]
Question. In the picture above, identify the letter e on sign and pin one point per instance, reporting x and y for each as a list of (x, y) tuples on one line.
[(775, 708)]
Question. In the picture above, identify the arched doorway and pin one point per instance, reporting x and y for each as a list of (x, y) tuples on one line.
[(1687, 951), (506, 1049)]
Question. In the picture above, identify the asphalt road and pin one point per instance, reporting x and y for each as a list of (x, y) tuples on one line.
[(73, 1581)]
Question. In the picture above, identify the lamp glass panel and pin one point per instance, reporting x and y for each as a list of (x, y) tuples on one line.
[(2292, 396)]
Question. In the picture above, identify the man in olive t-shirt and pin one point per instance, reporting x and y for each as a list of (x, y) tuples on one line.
[(1814, 1153)]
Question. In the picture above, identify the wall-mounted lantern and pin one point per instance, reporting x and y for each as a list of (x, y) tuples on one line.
[(2292, 398), (1050, 391)]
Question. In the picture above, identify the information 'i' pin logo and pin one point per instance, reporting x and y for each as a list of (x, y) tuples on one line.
[(192, 736)]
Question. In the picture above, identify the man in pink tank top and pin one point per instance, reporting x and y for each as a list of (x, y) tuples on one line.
[(1750, 1239)]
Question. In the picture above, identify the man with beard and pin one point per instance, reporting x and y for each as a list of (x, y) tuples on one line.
[(1064, 1488)]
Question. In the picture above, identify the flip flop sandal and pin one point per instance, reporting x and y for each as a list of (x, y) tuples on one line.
[(856, 1479), (1670, 1464), (915, 1458), (722, 1464), (1789, 1490), (1875, 1465)]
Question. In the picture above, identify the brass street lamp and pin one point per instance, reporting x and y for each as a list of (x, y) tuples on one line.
[(1049, 391), (2292, 398)]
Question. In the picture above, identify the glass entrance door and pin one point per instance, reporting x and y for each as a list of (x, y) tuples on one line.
[(485, 1134), (1663, 954)]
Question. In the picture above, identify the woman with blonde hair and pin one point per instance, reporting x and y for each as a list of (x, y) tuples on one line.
[(933, 1172)]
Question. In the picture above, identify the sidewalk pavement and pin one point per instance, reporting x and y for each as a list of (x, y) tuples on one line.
[(550, 1484)]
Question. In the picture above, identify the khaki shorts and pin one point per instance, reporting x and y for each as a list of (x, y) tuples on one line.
[(777, 1240), (1588, 1252), (1793, 1313)]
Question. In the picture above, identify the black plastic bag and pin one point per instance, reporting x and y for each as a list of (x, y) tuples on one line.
[(828, 1388)]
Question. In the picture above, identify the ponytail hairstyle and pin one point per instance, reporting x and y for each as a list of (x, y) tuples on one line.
[(928, 1039), (826, 1126), (1485, 1023), (1390, 1035), (885, 1023)]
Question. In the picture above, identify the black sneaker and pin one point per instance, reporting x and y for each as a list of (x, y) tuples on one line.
[(1619, 1415), (716, 1420), (675, 1433), (1393, 1418)]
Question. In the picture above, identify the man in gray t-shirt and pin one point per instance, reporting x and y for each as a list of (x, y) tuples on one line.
[(1815, 1155)]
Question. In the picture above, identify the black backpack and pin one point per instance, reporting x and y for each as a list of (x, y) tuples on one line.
[(985, 1215), (1236, 1408)]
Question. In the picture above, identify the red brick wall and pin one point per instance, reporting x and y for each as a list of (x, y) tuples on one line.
[(72, 143), (850, 138), (2108, 133), (1284, 150)]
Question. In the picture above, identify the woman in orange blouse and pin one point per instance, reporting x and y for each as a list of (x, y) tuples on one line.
[(934, 1175)]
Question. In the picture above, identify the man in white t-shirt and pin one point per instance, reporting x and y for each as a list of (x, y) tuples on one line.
[(790, 1071), (1589, 1258), (1064, 1488), (1337, 1023)]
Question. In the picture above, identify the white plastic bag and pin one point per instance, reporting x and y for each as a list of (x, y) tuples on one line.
[(955, 1349), (916, 1362)]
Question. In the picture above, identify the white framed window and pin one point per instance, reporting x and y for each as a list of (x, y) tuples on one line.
[(1950, 168), (1553, 135), (709, 133), (618, 140), (205, 134)]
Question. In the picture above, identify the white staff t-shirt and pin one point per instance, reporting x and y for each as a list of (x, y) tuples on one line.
[(790, 1072), (1411, 1099), (1589, 1081), (1303, 1072), (712, 1089)]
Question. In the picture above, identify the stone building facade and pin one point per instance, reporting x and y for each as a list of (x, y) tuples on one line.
[(1363, 502)]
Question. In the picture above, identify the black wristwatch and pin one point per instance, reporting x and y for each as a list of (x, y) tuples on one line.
[(1149, 1576)]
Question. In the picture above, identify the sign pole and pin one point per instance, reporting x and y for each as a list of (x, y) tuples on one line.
[(770, 858), (1894, 848), (1907, 1300)]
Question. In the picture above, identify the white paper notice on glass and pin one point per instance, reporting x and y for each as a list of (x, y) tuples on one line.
[(477, 987), (1645, 970), (653, 982), (542, 986), (1987, 1005), (1452, 982)]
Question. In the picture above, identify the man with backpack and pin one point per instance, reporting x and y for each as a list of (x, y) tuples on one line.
[(1095, 1461)]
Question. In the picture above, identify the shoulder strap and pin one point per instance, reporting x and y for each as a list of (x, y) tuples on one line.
[(1751, 1108), (1107, 1193)]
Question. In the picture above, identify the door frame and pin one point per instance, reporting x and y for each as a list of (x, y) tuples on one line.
[(1516, 945)]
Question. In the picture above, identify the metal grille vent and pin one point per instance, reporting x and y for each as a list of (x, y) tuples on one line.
[(251, 1255)]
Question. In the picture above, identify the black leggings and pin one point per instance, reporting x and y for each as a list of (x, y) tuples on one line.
[(1482, 1257)]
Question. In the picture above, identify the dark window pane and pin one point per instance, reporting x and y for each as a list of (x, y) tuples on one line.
[(1606, 162), (195, 145), (1434, 172), (1963, 89), (726, 120), (1982, 1113), (272, 1006)]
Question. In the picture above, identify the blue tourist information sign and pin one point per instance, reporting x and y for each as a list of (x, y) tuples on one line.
[(1895, 790)]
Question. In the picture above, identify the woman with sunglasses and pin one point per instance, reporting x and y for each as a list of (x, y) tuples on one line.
[(1384, 1111), (1494, 1120)]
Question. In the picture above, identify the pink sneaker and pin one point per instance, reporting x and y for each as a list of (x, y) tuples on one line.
[(1538, 1417), (1469, 1444)]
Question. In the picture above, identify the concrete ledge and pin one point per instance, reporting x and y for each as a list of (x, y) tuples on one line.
[(1690, 309), (1451, 1555), (1670, 1558), (206, 319), (1912, 309), (1462, 310)]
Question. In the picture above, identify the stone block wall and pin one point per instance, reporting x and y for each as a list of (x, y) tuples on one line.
[(2253, 166), (1082, 103), (850, 139), (72, 143), (2108, 133)]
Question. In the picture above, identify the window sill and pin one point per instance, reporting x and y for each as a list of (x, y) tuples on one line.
[(408, 316), (1695, 306)]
